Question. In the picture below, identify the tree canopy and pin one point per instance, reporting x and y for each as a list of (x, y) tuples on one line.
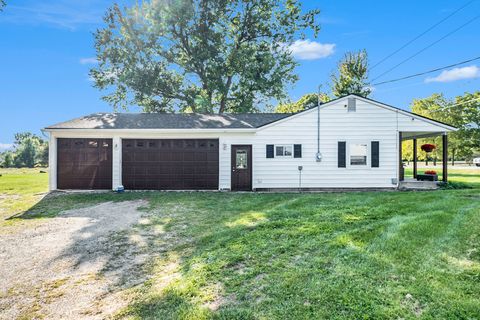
[(462, 112), (200, 55), (310, 100), (29, 150), (352, 75)]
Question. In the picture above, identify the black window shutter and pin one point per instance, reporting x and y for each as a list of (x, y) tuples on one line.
[(269, 150), (342, 154), (375, 154), (297, 150)]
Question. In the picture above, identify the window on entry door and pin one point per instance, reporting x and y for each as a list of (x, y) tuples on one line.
[(241, 159)]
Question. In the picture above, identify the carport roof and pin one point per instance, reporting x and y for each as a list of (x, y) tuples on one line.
[(170, 121)]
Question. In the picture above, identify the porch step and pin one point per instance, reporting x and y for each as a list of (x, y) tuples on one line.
[(418, 185)]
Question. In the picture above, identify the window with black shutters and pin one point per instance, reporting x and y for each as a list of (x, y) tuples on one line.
[(358, 154)]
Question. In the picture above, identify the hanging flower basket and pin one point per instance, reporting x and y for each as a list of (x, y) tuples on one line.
[(427, 147)]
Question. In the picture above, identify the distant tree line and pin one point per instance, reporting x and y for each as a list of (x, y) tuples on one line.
[(29, 150), (463, 112)]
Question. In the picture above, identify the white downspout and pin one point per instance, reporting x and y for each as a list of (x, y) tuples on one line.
[(318, 156)]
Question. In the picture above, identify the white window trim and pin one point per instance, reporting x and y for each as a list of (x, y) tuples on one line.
[(359, 167), (283, 156)]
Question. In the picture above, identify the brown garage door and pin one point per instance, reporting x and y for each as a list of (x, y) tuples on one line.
[(84, 163), (170, 164)]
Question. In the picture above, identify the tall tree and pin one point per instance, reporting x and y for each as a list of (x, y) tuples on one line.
[(352, 75), (310, 100), (199, 55), (466, 112)]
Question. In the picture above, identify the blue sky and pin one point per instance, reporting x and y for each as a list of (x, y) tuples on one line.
[(46, 50)]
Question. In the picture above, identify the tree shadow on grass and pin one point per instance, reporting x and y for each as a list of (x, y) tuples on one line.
[(54, 203), (244, 249), (299, 256), (227, 255)]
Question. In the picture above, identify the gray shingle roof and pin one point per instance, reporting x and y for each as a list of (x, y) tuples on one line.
[(170, 121)]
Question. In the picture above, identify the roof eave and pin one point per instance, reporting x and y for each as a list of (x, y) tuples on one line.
[(185, 130)]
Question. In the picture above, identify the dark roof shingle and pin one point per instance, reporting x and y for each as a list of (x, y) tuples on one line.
[(170, 121)]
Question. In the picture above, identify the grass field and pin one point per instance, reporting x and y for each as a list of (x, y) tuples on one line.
[(470, 176), (365, 255), (20, 189)]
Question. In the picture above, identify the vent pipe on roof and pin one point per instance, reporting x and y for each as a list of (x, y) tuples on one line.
[(318, 156)]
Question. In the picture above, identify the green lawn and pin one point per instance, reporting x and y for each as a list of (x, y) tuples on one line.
[(20, 189), (469, 176), (362, 255)]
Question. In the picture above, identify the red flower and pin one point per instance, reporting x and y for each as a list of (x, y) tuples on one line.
[(427, 147), (430, 172)]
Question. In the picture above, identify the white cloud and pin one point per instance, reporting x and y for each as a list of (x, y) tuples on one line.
[(455, 74), (5, 146), (91, 60), (311, 50)]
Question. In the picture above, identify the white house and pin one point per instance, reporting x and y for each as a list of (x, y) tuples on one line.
[(348, 143)]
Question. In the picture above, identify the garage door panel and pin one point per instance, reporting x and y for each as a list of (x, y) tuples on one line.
[(170, 164), (212, 157), (164, 155), (84, 163)]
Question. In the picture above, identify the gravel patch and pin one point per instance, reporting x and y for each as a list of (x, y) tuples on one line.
[(72, 266)]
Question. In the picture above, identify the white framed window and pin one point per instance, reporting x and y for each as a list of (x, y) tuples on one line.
[(283, 150), (358, 155)]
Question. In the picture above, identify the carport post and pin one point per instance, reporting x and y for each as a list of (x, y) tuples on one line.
[(415, 158), (445, 157)]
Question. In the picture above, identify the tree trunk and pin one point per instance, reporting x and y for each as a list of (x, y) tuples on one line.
[(223, 101), (453, 157)]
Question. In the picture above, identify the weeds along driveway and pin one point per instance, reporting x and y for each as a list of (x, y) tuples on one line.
[(68, 265)]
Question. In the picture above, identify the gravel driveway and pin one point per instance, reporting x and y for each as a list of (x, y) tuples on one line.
[(72, 266)]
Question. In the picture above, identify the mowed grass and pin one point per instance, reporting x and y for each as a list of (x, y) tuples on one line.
[(20, 189), (360, 255), (313, 256), (469, 176)]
